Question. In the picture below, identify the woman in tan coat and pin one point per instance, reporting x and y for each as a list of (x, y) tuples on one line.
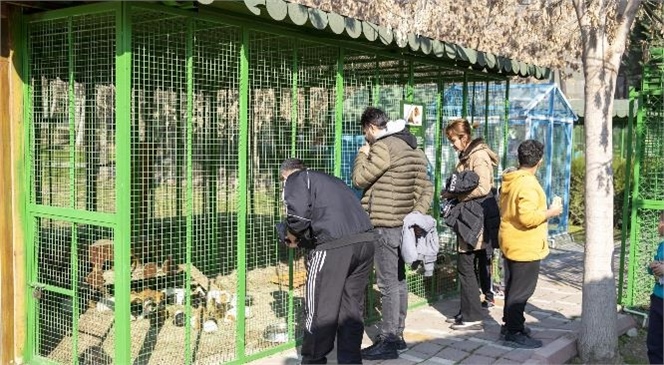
[(475, 155)]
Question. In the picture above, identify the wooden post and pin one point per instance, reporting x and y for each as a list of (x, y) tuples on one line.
[(6, 255), (12, 251)]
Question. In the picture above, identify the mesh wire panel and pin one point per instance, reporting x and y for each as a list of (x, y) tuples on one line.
[(54, 310), (317, 67), (71, 142), (214, 154), (84, 146), (81, 326), (359, 73), (94, 111), (270, 135), (49, 70), (96, 324), (650, 181), (158, 185), (392, 80), (646, 246)]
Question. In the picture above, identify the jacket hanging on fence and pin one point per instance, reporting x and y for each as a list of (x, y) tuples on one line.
[(416, 246)]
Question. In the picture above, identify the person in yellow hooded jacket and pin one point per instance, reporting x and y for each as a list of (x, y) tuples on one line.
[(523, 239)]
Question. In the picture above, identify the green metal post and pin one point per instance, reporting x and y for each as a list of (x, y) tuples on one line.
[(625, 213), (21, 27), (339, 113), (123, 183), (506, 123), (622, 135), (242, 193), (375, 85), (437, 142), (472, 105), (410, 88), (189, 50), (634, 226), (486, 110), (464, 104)]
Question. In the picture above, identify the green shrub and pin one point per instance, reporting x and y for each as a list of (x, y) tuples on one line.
[(577, 202), (576, 193)]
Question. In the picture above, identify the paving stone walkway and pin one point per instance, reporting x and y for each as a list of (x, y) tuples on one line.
[(553, 314)]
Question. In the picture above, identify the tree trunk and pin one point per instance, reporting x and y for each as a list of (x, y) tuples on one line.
[(598, 340), (604, 27)]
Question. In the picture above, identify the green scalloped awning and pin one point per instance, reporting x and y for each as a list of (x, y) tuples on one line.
[(296, 14), (620, 108)]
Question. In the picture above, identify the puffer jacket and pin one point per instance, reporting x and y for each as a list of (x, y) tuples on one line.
[(523, 224), (477, 157), (415, 248), (393, 177)]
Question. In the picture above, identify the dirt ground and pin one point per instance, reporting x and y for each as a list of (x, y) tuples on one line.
[(633, 349)]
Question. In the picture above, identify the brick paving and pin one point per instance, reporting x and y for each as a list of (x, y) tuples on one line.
[(553, 314)]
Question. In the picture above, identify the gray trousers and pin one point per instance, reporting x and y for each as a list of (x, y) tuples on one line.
[(391, 278)]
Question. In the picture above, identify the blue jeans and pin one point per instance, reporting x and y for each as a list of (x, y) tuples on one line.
[(391, 278)]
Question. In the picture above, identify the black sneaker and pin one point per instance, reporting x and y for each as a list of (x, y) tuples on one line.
[(456, 319), (522, 341), (401, 344), (476, 325), (503, 331), (488, 303), (385, 348)]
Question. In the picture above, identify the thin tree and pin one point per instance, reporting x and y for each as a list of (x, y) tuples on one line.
[(605, 26)]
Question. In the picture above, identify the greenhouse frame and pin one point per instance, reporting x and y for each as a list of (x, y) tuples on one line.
[(145, 140)]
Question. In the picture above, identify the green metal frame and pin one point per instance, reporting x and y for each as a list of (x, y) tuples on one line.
[(123, 183), (633, 95), (644, 208), (120, 221)]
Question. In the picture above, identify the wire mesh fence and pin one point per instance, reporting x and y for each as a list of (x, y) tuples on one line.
[(648, 181), (208, 282)]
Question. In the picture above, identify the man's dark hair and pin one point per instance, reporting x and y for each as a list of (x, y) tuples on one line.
[(374, 116), (530, 153), (292, 164)]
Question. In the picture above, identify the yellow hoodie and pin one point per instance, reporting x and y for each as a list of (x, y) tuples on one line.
[(523, 227)]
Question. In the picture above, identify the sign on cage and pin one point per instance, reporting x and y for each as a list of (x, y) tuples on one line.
[(412, 113)]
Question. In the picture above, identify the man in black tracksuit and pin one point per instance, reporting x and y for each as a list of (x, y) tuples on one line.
[(325, 216)]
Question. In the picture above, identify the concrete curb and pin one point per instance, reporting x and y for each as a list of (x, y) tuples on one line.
[(560, 351), (563, 349)]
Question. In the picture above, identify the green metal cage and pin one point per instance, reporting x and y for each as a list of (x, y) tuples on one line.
[(645, 167), (154, 140)]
